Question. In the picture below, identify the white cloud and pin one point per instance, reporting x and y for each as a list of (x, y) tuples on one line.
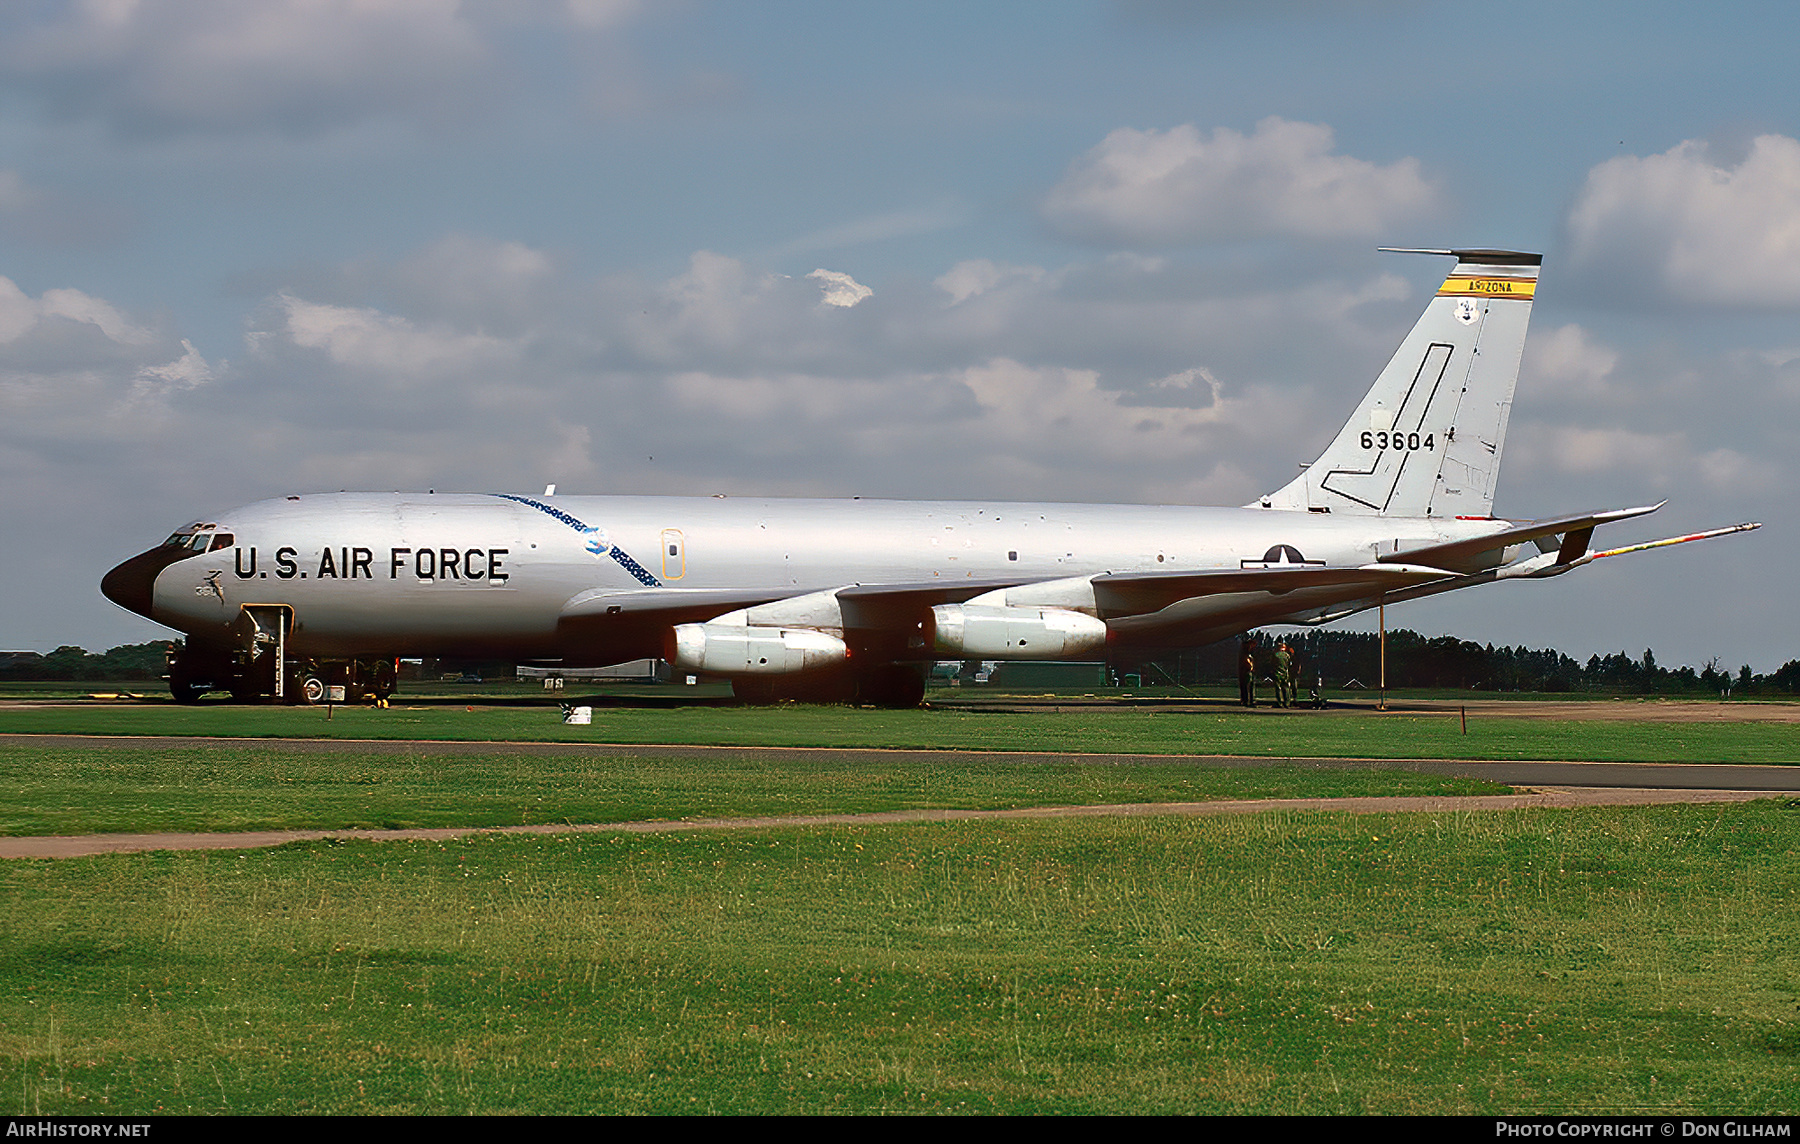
[(189, 371), (599, 14), (1051, 428), (1068, 409), (301, 68), (1582, 451), (840, 289), (294, 65), (367, 340), (1009, 429), (20, 314), (1684, 225), (1569, 359), (1732, 471), (1662, 462), (73, 369), (471, 281), (1149, 188), (79, 307), (979, 275), (1188, 380), (714, 304)]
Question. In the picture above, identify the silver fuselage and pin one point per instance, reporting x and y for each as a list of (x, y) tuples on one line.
[(491, 574)]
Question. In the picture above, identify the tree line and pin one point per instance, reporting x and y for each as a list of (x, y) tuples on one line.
[(1340, 659), (130, 661), (1352, 659)]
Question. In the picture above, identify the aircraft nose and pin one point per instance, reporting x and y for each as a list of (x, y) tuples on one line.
[(132, 585)]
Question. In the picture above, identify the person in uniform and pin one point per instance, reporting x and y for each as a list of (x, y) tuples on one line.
[(1247, 673), (1284, 675)]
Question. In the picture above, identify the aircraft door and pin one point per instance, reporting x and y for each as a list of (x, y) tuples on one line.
[(263, 629), (674, 554)]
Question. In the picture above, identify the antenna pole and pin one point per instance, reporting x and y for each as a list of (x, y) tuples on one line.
[(1381, 700)]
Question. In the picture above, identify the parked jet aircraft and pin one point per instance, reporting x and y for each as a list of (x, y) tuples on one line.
[(851, 598)]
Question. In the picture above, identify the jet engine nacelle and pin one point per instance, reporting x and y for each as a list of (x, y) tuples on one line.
[(733, 649), (978, 631)]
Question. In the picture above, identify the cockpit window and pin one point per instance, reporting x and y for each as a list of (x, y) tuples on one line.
[(194, 540), (200, 537)]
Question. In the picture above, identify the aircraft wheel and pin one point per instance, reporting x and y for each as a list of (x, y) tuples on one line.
[(383, 682), (187, 691), (312, 689)]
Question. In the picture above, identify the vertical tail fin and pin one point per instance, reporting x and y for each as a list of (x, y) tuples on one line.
[(1427, 438)]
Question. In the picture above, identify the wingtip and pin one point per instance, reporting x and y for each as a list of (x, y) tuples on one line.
[(1628, 513)]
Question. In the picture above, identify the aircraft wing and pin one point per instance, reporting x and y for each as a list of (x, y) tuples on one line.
[(665, 605), (624, 624), (865, 605), (875, 606), (1122, 594), (1482, 552), (900, 608)]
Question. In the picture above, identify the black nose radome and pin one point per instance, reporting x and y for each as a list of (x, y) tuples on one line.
[(132, 585)]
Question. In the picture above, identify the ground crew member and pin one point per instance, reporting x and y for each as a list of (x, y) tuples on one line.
[(1247, 674), (1284, 676)]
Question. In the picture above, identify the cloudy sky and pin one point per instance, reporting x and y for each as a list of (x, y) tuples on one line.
[(1047, 250)]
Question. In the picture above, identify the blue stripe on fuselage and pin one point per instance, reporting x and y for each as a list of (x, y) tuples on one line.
[(638, 571)]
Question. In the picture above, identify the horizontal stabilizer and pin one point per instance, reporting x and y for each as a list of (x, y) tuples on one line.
[(1484, 257), (1467, 555), (1547, 564)]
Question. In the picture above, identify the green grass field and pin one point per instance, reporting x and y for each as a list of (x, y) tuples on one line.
[(1286, 734), (55, 790), (1561, 961), (1595, 960)]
